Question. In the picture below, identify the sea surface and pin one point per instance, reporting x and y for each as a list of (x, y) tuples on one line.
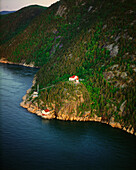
[(27, 142)]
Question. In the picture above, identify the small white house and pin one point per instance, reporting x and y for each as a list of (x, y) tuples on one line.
[(74, 78), (45, 112), (35, 94)]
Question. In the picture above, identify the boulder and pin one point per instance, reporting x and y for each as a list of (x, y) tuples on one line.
[(118, 125), (113, 124), (132, 131), (124, 129), (71, 118)]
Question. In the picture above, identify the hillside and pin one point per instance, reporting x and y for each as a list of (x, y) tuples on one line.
[(92, 39), (14, 23)]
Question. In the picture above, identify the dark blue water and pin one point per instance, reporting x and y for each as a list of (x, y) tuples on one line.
[(29, 143)]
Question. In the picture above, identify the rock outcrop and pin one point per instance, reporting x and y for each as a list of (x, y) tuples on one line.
[(5, 61), (33, 106), (64, 112), (67, 105)]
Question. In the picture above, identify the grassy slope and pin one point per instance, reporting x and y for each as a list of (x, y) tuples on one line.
[(77, 43)]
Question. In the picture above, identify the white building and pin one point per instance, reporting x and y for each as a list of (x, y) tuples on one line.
[(45, 112), (74, 78), (35, 94)]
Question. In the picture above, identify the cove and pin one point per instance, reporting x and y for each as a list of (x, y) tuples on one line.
[(29, 142)]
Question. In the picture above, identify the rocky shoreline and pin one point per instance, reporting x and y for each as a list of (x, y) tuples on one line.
[(33, 108), (4, 61)]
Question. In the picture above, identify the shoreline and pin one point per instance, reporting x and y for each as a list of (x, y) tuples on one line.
[(4, 61), (34, 109)]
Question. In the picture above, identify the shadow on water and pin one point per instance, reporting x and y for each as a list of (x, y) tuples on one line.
[(99, 143), (19, 70), (79, 128)]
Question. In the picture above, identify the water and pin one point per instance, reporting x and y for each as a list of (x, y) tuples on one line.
[(29, 143)]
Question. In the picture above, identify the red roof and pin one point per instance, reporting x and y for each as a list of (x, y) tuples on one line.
[(73, 76), (46, 110), (44, 114)]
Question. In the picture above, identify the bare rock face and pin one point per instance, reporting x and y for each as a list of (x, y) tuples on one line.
[(124, 128), (38, 112), (113, 124), (28, 91), (122, 107), (61, 10), (24, 97), (32, 107), (25, 104), (113, 49), (132, 131), (22, 104), (34, 81), (68, 108), (118, 125), (90, 8)]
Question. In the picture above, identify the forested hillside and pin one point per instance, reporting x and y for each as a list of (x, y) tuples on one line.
[(15, 23), (94, 40)]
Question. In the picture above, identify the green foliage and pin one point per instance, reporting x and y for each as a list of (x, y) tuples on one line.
[(76, 43)]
